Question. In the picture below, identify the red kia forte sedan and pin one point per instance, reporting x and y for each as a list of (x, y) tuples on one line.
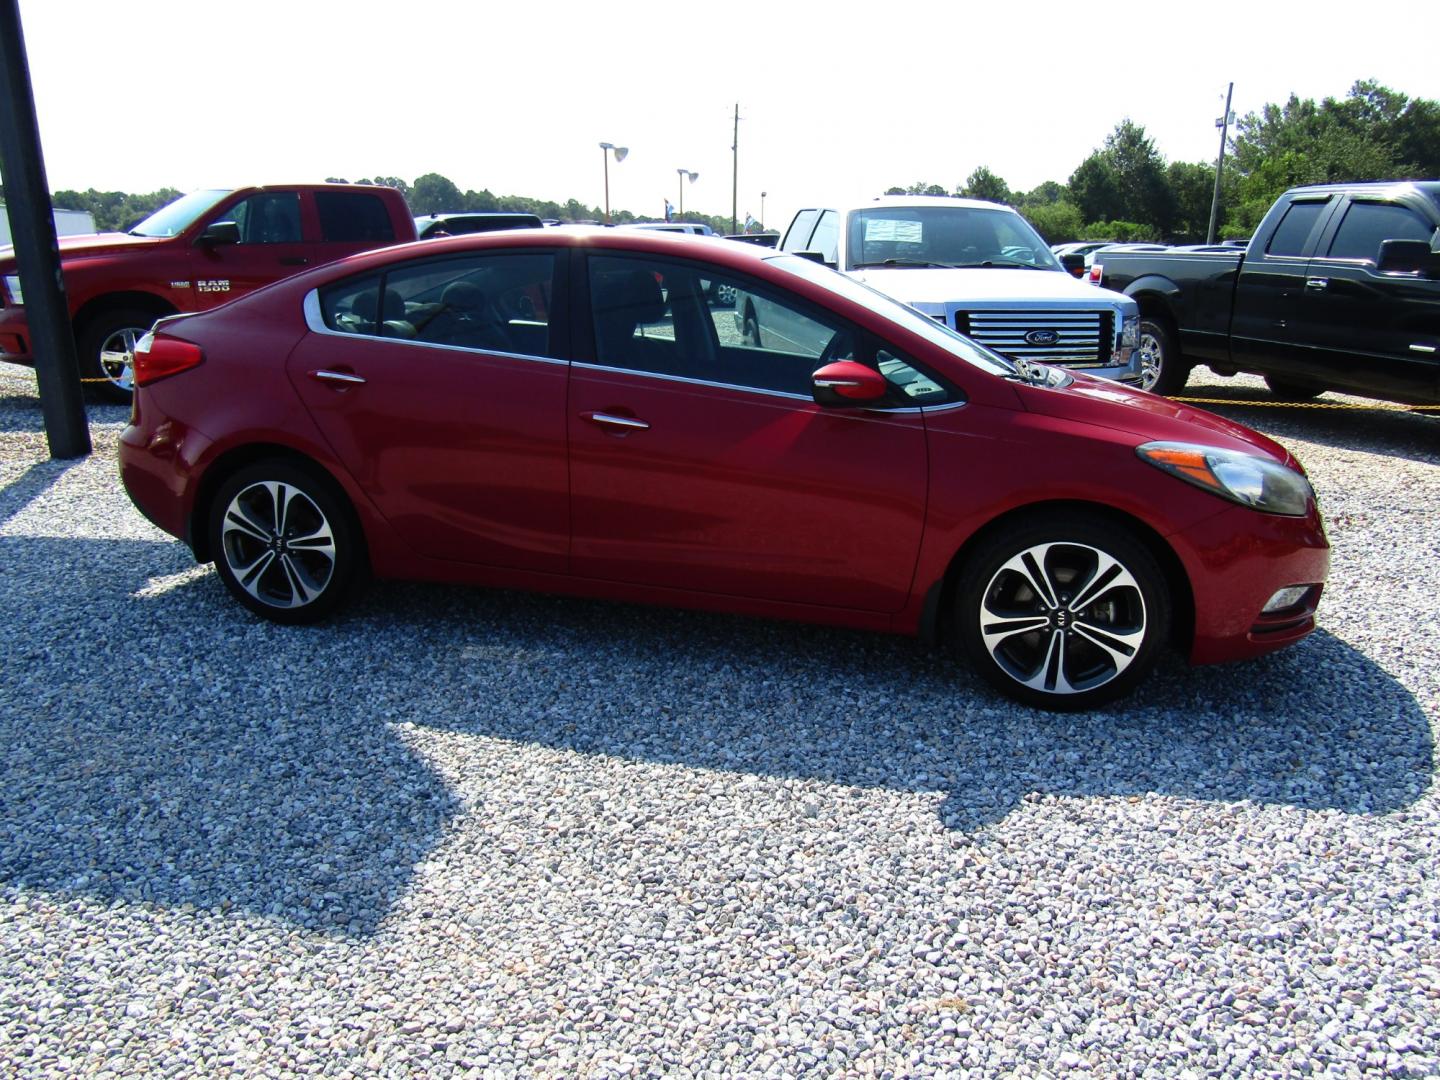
[(570, 410)]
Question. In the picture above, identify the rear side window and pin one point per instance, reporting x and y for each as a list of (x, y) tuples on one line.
[(491, 303), (798, 238), (353, 216), (1367, 224), (1295, 228)]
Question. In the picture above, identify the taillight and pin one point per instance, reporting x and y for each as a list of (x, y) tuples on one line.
[(157, 357)]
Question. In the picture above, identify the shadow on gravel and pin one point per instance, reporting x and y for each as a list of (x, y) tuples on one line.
[(157, 748), (1383, 430), (174, 749), (30, 485)]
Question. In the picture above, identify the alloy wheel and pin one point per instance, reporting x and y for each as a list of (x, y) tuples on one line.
[(278, 544), (1063, 618)]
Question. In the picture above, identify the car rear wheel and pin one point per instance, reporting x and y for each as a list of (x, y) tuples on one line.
[(283, 541), (1064, 614), (1162, 370), (107, 352)]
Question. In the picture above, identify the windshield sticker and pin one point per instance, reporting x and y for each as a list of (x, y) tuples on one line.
[(899, 231)]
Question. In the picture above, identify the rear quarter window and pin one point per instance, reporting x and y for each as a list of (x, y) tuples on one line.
[(353, 217)]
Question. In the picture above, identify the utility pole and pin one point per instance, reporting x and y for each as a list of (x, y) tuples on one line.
[(735, 176), (32, 223), (1224, 125)]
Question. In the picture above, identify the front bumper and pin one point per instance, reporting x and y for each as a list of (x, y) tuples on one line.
[(1243, 558)]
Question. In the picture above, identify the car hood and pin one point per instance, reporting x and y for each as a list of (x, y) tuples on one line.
[(97, 244), (934, 286), (1149, 417)]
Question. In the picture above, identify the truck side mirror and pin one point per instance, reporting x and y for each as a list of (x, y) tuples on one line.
[(1407, 257), (220, 232), (1074, 265)]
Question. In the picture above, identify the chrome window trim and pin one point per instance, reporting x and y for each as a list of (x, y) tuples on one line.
[(687, 381), (315, 322)]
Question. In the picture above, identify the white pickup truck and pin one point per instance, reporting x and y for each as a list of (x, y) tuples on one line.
[(979, 268)]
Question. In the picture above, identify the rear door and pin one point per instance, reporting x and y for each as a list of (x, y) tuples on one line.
[(441, 387), (1368, 330), (1266, 327)]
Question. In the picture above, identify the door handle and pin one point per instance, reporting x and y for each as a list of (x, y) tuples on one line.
[(622, 423), (1317, 283), (294, 260), (343, 378)]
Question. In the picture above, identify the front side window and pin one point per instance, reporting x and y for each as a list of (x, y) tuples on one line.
[(1367, 224), (490, 303), (1295, 228), (272, 217), (827, 236), (684, 321), (353, 217), (945, 236)]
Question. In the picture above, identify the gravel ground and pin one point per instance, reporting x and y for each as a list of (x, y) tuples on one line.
[(468, 833)]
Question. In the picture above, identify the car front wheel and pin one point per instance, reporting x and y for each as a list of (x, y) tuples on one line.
[(1063, 615), (283, 541)]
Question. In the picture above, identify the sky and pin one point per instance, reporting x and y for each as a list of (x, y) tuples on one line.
[(838, 101)]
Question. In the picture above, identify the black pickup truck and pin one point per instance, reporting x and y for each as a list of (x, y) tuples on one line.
[(1339, 289)]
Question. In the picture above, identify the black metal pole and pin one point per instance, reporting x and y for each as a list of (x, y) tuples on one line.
[(735, 175), (1224, 125), (32, 225)]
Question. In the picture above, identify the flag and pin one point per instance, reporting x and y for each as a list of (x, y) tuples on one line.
[(749, 222), (669, 210)]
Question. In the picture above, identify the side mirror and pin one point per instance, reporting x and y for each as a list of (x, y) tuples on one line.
[(220, 232), (1407, 257), (1074, 265), (845, 384)]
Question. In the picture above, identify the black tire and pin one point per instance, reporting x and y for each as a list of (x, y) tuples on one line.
[(1042, 649), (1289, 391), (106, 345), (279, 564), (750, 332), (1162, 369)]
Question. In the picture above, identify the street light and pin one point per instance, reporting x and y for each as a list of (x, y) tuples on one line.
[(762, 210), (684, 175), (620, 152)]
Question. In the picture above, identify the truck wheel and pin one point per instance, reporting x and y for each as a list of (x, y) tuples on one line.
[(1063, 613), (1162, 369), (1289, 391), (107, 351), (750, 332)]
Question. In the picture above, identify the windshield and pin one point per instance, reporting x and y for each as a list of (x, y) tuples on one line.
[(945, 236), (902, 315), (181, 214)]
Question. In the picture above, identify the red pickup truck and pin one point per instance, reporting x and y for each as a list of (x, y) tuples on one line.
[(203, 249)]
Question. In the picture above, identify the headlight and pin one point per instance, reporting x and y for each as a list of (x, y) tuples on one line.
[(12, 289), (1250, 480), (1130, 332)]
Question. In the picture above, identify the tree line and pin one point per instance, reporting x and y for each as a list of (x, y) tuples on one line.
[(1124, 190)]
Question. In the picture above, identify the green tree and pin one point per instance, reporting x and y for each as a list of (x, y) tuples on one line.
[(984, 184), (433, 193), (1057, 222)]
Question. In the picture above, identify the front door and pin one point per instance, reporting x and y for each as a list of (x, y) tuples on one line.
[(271, 246), (1378, 333), (699, 462)]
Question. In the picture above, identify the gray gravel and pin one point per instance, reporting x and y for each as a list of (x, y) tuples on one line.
[(465, 833)]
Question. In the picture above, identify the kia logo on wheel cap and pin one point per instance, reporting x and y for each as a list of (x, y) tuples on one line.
[(1042, 337)]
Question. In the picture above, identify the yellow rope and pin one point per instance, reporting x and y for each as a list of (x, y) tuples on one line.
[(1306, 404)]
